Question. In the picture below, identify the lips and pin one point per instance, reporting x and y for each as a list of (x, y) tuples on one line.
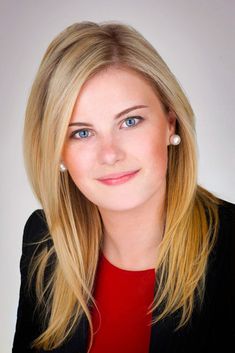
[(120, 178), (117, 175)]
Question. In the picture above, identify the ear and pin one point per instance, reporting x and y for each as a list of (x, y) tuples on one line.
[(171, 119)]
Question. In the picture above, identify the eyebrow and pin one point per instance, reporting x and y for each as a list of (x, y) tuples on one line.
[(116, 116)]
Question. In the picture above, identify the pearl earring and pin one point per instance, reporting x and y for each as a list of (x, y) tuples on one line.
[(62, 167), (175, 140)]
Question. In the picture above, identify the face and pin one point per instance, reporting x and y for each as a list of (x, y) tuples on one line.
[(118, 125)]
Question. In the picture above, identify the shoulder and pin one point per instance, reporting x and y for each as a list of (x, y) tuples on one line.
[(35, 228), (226, 230), (28, 325), (221, 270), (218, 309), (36, 236), (227, 214)]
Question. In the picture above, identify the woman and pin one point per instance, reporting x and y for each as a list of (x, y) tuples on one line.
[(128, 253)]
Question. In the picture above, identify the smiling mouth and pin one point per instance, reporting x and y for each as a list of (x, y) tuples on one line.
[(124, 177), (117, 175)]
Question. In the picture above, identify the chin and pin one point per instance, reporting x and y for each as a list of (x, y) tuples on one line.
[(120, 204)]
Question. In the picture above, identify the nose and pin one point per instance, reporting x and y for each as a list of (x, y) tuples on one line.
[(110, 151)]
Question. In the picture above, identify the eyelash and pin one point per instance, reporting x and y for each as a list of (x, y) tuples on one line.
[(139, 118)]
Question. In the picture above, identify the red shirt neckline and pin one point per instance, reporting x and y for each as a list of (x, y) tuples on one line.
[(118, 269)]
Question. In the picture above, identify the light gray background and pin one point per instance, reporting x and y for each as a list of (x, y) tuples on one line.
[(194, 37)]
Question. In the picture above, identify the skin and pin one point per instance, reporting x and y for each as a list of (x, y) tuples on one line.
[(132, 212)]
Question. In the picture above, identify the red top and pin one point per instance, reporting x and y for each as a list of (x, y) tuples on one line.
[(123, 298)]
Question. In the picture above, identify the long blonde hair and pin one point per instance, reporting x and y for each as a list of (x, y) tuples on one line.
[(74, 56)]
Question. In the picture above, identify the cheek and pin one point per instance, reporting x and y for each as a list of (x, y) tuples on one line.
[(160, 156), (154, 152), (78, 163)]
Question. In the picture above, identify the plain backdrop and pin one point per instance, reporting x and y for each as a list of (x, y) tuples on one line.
[(194, 37)]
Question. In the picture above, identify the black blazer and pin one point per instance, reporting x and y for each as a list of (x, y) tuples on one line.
[(211, 329)]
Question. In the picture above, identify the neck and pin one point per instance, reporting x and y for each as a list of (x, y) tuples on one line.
[(132, 237)]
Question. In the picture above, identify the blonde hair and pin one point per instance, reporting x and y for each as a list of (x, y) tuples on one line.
[(74, 56)]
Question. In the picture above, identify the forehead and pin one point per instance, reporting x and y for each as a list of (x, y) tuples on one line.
[(114, 78), (112, 90)]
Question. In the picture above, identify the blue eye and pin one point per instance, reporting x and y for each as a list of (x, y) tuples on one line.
[(80, 133), (83, 134), (129, 121)]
